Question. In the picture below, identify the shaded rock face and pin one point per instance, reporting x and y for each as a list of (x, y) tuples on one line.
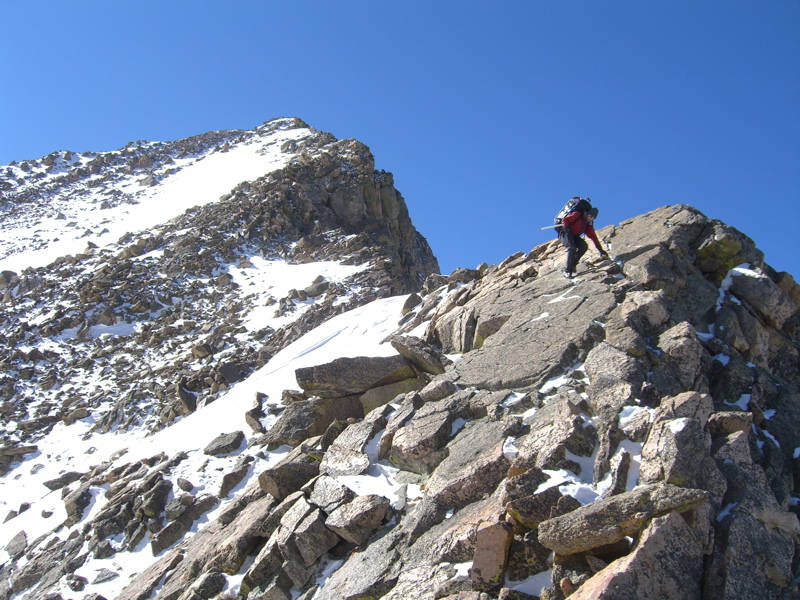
[(350, 376), (629, 433)]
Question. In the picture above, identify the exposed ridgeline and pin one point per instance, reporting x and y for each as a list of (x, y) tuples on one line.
[(179, 292), (631, 433), (678, 379), (327, 186)]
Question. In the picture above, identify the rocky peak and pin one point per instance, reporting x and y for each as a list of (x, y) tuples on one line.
[(171, 305)]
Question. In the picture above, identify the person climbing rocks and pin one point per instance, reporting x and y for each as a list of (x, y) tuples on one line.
[(577, 223)]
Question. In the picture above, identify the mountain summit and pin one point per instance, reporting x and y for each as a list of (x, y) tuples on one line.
[(232, 369)]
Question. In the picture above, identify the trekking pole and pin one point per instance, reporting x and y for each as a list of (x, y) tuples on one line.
[(549, 227)]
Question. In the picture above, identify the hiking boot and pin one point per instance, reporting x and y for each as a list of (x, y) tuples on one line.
[(567, 274)]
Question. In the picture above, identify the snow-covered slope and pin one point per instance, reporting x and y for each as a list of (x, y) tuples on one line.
[(75, 448), (70, 204)]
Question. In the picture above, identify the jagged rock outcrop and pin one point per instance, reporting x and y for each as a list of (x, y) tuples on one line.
[(632, 341)]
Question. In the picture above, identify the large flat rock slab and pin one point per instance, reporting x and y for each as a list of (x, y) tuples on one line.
[(351, 376), (609, 520)]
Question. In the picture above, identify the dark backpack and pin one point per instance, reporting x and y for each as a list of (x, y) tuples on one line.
[(574, 204)]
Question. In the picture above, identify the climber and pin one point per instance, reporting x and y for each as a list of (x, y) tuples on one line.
[(575, 224)]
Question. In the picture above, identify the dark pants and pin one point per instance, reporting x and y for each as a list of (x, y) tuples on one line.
[(576, 247)]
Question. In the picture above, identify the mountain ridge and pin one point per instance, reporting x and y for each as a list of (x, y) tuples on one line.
[(275, 395)]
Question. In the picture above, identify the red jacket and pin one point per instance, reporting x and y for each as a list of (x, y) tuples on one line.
[(576, 223)]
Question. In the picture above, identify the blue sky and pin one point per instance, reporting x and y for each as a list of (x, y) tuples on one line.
[(489, 114)]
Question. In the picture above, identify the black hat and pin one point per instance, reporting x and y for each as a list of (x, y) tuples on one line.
[(593, 212)]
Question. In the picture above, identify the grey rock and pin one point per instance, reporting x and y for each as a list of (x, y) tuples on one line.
[(312, 537), (233, 478), (530, 511), (667, 562), (225, 444), (610, 438), (688, 405), (306, 419), (317, 289), (220, 546), (422, 355), (340, 460), (527, 557), (611, 519), (677, 451), (419, 445), (620, 466), (154, 499), (370, 572), (143, 585), (293, 547), (398, 419), (517, 324), (104, 575), (522, 482), (253, 416), (76, 502), (208, 585), (177, 506), (491, 556), (176, 529), (350, 376), (548, 325), (474, 467), (328, 494), (721, 248), (411, 302), (357, 520), (450, 539), (62, 480), (616, 378), (684, 354), (554, 428), (104, 550), (509, 594), (288, 476), (645, 309), (17, 546), (438, 389), (420, 583), (277, 588), (753, 525), (380, 396), (764, 295), (346, 456)]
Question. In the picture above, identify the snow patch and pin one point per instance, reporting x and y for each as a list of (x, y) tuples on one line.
[(742, 403), (532, 585), (726, 510), (722, 358), (510, 450), (677, 425)]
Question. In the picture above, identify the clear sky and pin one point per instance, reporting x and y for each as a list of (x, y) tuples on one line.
[(489, 114)]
